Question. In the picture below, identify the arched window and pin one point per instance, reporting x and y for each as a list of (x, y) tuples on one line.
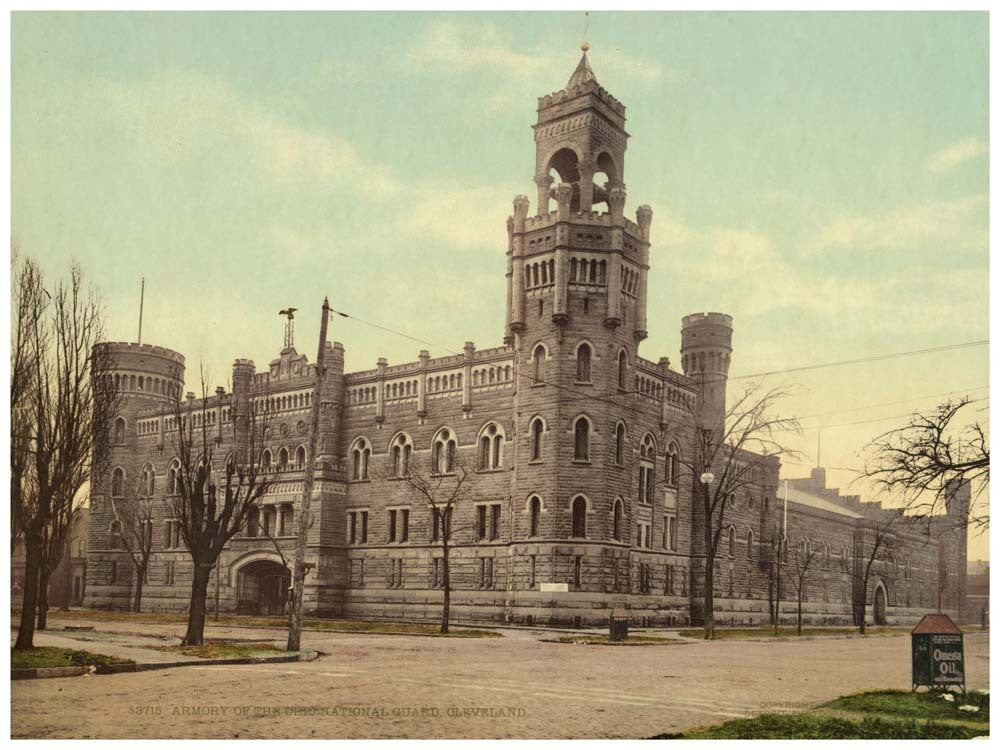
[(581, 443), (399, 455), (537, 428), (749, 544), (491, 447), (619, 520), (579, 516), (118, 483), (647, 462), (443, 452), (535, 511), (538, 359), (173, 478), (622, 370), (672, 465), (620, 444), (148, 480), (115, 534), (361, 452), (732, 541), (583, 363), (300, 457), (119, 431), (282, 459), (265, 461)]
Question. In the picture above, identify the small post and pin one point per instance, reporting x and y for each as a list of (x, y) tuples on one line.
[(299, 572)]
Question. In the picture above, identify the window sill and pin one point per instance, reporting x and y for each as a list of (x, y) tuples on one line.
[(583, 382), (581, 462), (359, 481), (497, 470)]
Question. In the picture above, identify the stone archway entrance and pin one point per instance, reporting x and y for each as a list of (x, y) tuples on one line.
[(878, 606), (262, 588)]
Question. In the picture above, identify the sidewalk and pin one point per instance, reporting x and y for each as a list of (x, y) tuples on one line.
[(123, 646)]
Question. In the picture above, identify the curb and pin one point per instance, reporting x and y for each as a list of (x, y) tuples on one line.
[(38, 673)]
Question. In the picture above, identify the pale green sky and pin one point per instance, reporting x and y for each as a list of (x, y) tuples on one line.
[(821, 177)]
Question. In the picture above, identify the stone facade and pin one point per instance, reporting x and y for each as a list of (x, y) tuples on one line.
[(578, 503)]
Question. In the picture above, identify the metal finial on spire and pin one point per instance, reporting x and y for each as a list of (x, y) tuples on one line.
[(585, 45)]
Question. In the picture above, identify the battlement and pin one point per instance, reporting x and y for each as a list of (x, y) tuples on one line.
[(589, 87), (124, 347), (591, 218), (433, 364), (707, 318)]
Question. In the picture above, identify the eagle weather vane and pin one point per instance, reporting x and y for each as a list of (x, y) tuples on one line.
[(289, 313)]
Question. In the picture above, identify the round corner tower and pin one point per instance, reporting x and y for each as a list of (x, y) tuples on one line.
[(145, 382), (706, 347)]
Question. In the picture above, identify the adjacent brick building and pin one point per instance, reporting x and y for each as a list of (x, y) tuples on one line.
[(579, 502)]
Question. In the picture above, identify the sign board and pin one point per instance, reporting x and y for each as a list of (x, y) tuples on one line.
[(938, 653), (553, 587)]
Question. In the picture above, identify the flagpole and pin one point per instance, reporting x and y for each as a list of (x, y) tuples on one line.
[(142, 299)]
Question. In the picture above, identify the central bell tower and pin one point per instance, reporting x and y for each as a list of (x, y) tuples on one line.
[(568, 253), (576, 313)]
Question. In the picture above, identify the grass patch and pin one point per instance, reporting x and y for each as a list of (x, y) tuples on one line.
[(592, 639), (338, 626), (879, 714), (816, 726), (47, 656), (786, 632), (226, 650), (923, 705)]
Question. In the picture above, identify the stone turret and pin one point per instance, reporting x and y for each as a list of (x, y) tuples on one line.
[(706, 346)]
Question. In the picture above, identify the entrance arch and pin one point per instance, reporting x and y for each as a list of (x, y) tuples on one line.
[(878, 604), (262, 588)]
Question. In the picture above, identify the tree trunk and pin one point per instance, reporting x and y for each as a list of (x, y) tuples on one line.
[(195, 634), (862, 606), (777, 595), (799, 619), (140, 575), (29, 602), (43, 597), (446, 610), (709, 598)]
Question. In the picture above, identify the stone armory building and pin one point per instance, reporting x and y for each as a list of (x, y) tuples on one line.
[(579, 500)]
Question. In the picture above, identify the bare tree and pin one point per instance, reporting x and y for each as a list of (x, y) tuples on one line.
[(55, 539), (734, 455), (444, 487), (805, 555), (135, 528), (64, 402), (922, 460), (212, 502), (777, 554), (879, 530), (28, 335)]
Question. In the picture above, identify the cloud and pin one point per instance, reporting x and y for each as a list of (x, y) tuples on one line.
[(955, 224), (951, 156), (484, 47), (177, 117)]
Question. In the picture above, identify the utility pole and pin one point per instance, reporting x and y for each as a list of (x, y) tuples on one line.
[(305, 519)]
